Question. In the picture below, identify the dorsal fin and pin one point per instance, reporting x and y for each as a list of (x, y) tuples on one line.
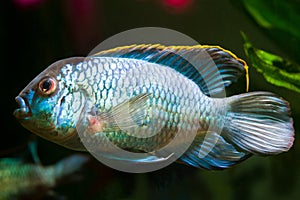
[(195, 62)]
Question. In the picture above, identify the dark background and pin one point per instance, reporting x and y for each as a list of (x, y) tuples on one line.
[(36, 33)]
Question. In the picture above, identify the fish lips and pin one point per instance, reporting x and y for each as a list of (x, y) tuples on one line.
[(23, 112)]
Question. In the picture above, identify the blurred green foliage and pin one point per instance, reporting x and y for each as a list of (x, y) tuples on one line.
[(275, 69), (281, 19)]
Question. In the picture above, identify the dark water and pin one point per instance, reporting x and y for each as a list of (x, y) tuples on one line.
[(34, 36)]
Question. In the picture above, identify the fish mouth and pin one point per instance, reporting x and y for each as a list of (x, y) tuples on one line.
[(23, 111)]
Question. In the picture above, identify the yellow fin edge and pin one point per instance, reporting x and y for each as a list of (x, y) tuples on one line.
[(159, 46)]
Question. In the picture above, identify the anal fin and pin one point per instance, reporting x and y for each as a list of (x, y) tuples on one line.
[(212, 152)]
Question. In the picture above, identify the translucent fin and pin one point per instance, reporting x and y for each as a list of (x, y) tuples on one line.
[(126, 115), (149, 159), (32, 146), (212, 153), (259, 123), (70, 165), (130, 113), (195, 62)]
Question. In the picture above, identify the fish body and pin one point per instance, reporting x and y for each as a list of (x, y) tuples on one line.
[(21, 180), (141, 96)]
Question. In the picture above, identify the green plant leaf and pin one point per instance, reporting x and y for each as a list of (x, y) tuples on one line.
[(278, 14), (274, 68), (281, 21)]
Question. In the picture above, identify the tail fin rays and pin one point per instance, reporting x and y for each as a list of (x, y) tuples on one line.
[(259, 123)]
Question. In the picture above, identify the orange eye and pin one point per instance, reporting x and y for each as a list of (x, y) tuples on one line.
[(47, 86)]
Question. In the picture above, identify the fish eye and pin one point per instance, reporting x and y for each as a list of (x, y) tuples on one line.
[(47, 86)]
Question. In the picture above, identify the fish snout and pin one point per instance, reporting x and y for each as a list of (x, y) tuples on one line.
[(23, 111)]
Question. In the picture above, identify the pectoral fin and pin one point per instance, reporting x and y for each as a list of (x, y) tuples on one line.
[(130, 113), (124, 116)]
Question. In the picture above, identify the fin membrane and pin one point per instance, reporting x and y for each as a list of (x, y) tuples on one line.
[(259, 123), (210, 67), (212, 152), (129, 113), (70, 165)]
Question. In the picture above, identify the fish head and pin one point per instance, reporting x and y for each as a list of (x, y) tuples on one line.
[(49, 105)]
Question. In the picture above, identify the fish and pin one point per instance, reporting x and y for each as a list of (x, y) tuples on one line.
[(139, 97), (21, 180)]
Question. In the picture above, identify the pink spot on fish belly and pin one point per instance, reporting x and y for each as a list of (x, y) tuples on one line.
[(96, 124)]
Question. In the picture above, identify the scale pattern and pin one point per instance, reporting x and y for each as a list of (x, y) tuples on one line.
[(175, 102)]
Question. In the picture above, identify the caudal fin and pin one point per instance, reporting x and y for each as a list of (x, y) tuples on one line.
[(259, 123)]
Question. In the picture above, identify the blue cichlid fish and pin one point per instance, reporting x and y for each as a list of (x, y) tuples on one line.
[(171, 87), (19, 180)]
